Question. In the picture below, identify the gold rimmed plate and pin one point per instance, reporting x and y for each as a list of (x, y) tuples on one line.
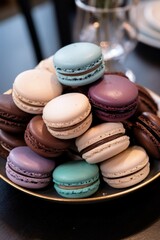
[(103, 194)]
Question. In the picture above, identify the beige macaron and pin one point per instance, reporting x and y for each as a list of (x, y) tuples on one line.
[(126, 169), (102, 141), (33, 89), (46, 64), (68, 116)]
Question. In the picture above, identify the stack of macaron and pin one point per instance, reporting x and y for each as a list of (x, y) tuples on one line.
[(86, 124)]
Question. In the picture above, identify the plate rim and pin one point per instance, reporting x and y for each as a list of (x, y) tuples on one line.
[(82, 200)]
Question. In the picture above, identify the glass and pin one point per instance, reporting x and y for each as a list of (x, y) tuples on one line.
[(109, 26)]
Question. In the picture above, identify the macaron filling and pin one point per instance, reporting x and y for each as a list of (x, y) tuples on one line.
[(130, 179), (16, 169), (113, 109), (82, 76), (15, 176), (101, 142), (61, 129), (78, 185), (87, 68), (6, 146), (24, 100), (153, 135), (12, 121)]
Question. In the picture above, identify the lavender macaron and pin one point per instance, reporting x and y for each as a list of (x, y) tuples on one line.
[(28, 169)]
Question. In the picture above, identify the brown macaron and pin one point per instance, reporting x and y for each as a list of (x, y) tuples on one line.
[(146, 133), (39, 139), (145, 101), (12, 119), (8, 141)]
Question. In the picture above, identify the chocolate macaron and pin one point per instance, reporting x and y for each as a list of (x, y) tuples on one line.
[(146, 103), (8, 141), (39, 139), (147, 133), (12, 119)]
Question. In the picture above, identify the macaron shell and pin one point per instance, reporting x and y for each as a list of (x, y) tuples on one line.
[(114, 91), (75, 173), (130, 180), (127, 162), (107, 150), (76, 55)]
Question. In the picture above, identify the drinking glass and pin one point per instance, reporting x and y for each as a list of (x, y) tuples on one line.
[(109, 24)]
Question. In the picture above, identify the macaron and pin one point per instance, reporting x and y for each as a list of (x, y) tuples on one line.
[(114, 98), (46, 64), (79, 63), (8, 141), (12, 119), (126, 169), (32, 89), (28, 169), (102, 141), (76, 179), (68, 116), (146, 103), (146, 132), (39, 139)]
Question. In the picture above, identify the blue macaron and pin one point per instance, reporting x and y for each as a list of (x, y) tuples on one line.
[(76, 179), (79, 64)]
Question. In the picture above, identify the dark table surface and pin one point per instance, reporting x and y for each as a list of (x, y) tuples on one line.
[(135, 216)]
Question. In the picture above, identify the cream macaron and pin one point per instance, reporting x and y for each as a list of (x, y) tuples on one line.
[(126, 169), (68, 116), (33, 89), (102, 141), (46, 64)]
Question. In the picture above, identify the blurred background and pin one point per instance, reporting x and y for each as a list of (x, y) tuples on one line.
[(32, 30), (20, 47)]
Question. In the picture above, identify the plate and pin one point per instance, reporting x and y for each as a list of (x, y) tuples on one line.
[(104, 193), (146, 32)]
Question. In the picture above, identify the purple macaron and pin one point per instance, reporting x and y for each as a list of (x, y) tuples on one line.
[(114, 98), (28, 169)]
